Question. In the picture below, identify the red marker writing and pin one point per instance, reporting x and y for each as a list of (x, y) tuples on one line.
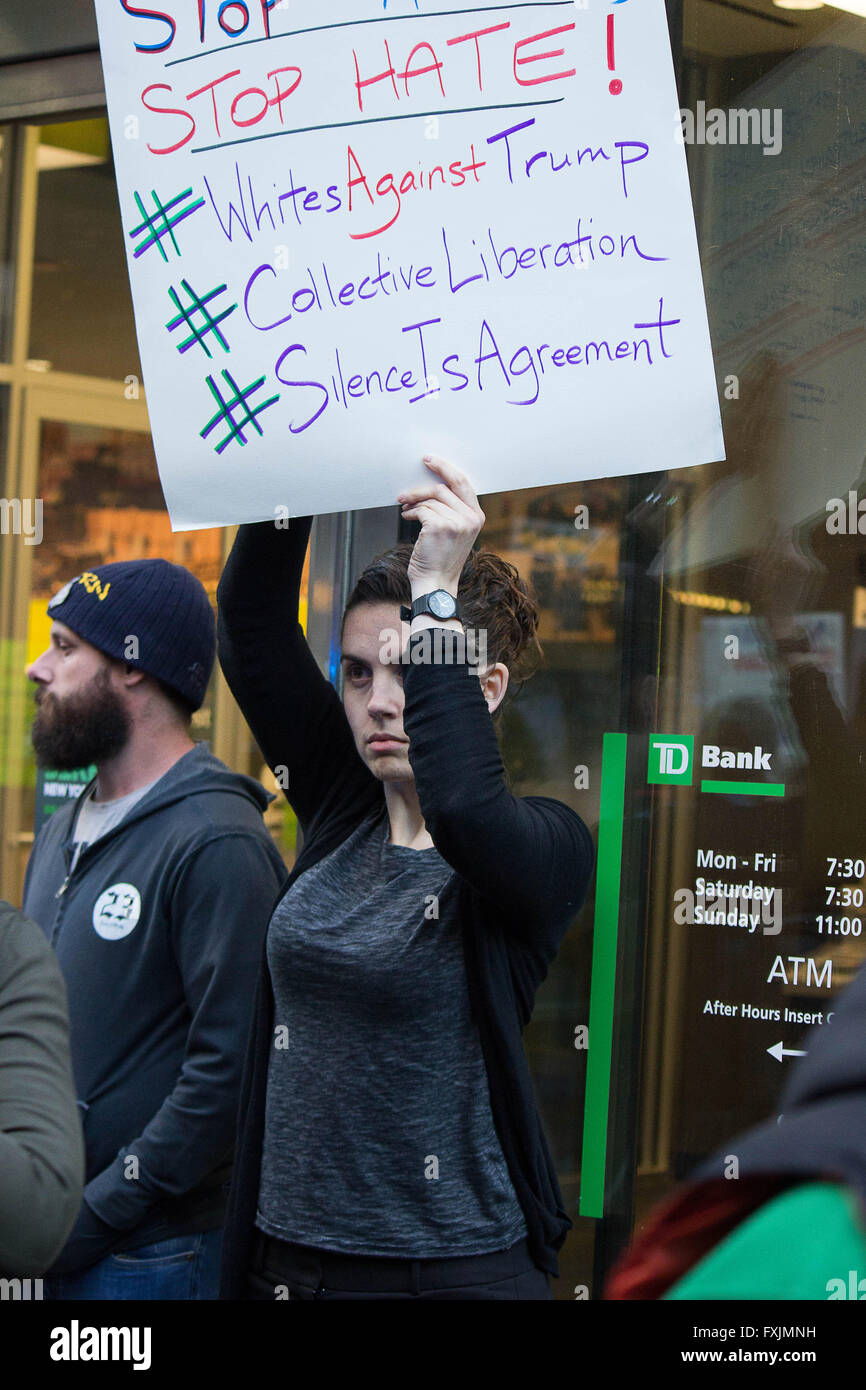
[(614, 86)]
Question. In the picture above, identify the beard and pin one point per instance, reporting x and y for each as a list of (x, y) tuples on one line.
[(89, 726)]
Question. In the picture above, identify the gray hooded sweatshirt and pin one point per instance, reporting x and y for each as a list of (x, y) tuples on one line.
[(158, 931)]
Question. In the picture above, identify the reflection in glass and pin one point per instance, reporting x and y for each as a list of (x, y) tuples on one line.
[(758, 584), (101, 502), (81, 313)]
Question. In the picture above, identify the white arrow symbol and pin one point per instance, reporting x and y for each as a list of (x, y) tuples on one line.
[(778, 1051)]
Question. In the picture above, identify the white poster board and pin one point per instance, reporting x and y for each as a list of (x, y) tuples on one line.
[(360, 233)]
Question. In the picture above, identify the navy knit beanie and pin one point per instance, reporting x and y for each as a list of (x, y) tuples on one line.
[(148, 613)]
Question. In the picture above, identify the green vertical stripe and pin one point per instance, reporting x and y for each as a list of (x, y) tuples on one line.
[(603, 982)]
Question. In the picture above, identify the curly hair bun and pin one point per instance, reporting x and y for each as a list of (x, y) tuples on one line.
[(493, 596), (493, 599)]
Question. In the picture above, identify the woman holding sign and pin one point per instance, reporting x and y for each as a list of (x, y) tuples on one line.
[(389, 1144)]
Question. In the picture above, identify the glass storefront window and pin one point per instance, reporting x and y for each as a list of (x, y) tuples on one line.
[(97, 484), (753, 893), (81, 313), (101, 502)]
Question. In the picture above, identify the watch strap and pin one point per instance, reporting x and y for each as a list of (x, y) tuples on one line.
[(420, 605)]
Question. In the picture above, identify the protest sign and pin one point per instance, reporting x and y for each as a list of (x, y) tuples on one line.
[(361, 233)]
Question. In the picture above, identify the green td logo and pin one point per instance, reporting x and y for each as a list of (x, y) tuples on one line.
[(670, 759)]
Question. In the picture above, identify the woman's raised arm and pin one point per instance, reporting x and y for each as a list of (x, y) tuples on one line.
[(294, 713), (531, 856)]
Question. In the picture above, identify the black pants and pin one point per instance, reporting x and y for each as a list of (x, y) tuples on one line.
[(280, 1270)]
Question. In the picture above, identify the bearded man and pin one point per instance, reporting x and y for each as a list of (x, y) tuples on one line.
[(155, 889)]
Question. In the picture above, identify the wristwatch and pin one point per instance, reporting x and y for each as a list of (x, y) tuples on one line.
[(438, 604)]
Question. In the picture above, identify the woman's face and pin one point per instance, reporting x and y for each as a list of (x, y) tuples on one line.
[(373, 638), (373, 688)]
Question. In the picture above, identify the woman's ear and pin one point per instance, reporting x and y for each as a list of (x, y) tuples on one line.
[(494, 683)]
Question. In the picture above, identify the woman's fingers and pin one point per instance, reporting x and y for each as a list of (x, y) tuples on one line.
[(429, 492), (455, 487), (455, 479), (428, 509), (452, 476)]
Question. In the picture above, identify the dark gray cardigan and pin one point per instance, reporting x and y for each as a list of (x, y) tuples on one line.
[(41, 1145)]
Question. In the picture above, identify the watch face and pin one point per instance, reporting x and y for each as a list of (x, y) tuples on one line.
[(441, 604)]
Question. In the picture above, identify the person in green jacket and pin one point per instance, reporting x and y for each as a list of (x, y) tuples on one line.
[(41, 1145)]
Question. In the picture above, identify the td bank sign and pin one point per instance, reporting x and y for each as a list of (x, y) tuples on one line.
[(672, 758)]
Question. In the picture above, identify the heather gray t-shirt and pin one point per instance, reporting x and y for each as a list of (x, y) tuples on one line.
[(379, 1138), (96, 818)]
